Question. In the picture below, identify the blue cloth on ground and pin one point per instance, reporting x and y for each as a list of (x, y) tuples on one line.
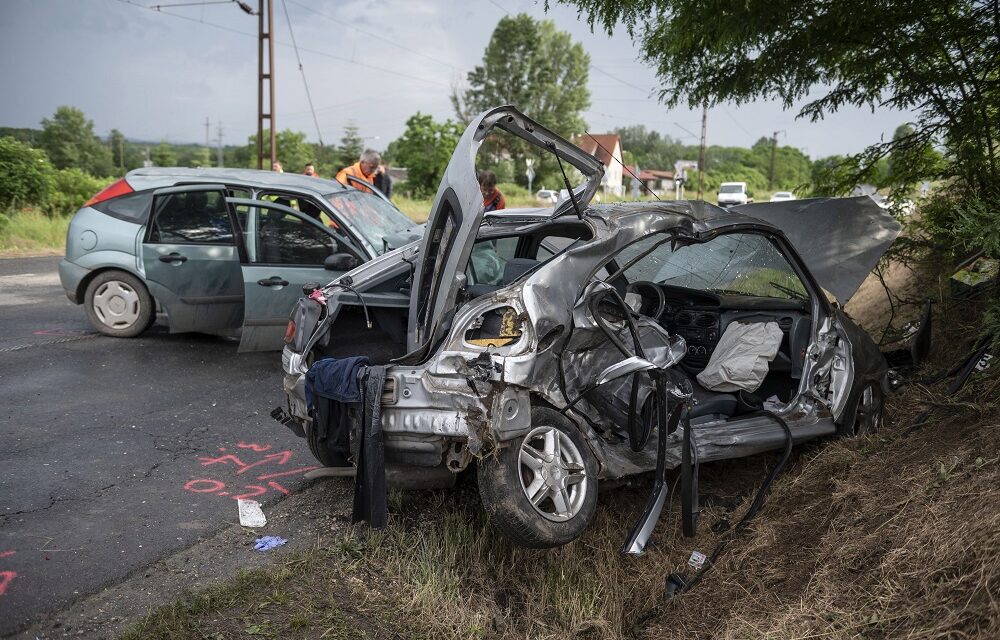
[(335, 378), (268, 542)]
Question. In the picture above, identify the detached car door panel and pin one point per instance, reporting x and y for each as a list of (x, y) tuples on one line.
[(286, 249), (191, 259)]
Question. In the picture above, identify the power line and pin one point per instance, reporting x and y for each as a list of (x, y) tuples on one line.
[(617, 79), (303, 72), (313, 51), (375, 35), (733, 118), (499, 6)]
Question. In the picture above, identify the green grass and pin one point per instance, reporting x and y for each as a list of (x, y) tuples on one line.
[(30, 231)]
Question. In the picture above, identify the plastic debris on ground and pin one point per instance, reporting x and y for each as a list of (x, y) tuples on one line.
[(697, 560), (268, 542), (250, 514)]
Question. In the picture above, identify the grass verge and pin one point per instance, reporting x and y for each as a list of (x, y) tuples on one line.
[(29, 231)]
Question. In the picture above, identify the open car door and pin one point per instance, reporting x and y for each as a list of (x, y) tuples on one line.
[(457, 213), (840, 239), (285, 249)]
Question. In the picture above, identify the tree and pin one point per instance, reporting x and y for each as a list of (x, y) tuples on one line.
[(351, 146), (25, 174), (116, 141), (425, 149), (293, 150), (539, 70), (69, 140), (939, 59), (163, 155)]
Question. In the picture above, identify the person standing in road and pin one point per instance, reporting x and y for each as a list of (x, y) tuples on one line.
[(364, 169), (310, 170), (493, 200)]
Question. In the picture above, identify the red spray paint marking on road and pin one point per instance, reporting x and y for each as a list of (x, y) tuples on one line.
[(6, 577), (259, 448), (7, 554), (210, 485)]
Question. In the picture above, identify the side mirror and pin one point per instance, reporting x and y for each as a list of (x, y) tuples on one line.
[(340, 262)]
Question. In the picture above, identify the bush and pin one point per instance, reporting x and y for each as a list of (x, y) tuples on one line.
[(72, 188), (25, 175)]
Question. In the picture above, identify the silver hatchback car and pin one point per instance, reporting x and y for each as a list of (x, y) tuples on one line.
[(550, 345), (219, 249)]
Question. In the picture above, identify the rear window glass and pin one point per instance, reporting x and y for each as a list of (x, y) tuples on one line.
[(132, 207)]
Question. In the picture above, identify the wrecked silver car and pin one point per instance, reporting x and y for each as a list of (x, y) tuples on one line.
[(561, 348)]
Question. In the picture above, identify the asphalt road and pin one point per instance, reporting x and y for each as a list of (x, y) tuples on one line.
[(115, 453)]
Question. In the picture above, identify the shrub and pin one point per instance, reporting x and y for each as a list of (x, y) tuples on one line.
[(25, 174), (73, 187)]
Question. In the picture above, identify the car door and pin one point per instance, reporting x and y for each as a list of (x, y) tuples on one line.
[(285, 249), (191, 258), (457, 213)]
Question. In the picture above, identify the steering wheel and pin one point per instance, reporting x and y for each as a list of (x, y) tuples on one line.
[(653, 300)]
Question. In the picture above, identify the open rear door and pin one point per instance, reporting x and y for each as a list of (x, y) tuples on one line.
[(457, 213)]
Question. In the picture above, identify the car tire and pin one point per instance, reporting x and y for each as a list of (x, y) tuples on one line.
[(118, 304), (868, 417), (324, 454), (555, 464)]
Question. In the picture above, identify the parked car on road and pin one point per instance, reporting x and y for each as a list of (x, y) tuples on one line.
[(218, 249), (545, 343), (733, 193), (782, 196)]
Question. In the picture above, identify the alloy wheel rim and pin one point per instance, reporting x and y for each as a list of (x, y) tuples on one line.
[(116, 304), (552, 473)]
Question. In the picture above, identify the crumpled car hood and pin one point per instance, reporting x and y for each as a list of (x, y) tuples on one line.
[(840, 239)]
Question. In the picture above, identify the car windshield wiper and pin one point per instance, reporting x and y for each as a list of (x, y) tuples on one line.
[(730, 292)]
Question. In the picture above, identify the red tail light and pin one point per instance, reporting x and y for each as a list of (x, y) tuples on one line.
[(290, 332), (113, 190)]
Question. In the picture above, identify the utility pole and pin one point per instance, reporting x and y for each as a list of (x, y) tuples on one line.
[(219, 140), (265, 32), (701, 151), (208, 141), (770, 171)]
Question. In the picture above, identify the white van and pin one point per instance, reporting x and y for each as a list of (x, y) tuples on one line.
[(733, 193)]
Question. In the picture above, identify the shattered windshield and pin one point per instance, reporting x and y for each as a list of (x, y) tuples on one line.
[(735, 264), (373, 217)]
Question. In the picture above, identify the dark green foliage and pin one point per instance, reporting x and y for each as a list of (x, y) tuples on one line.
[(293, 151), (71, 188), (424, 149), (541, 71), (25, 175), (68, 139), (941, 59)]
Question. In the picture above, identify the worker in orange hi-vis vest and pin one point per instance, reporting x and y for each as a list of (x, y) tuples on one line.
[(364, 169), (493, 200)]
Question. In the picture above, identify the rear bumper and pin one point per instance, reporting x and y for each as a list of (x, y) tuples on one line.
[(71, 275)]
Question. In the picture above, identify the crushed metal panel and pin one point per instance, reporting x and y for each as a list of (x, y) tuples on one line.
[(839, 239)]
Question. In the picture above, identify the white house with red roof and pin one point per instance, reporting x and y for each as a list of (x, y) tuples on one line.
[(606, 147)]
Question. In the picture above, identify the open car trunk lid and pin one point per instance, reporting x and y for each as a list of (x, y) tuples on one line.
[(840, 239), (458, 211)]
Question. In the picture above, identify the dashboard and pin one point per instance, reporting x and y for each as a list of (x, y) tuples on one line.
[(700, 317)]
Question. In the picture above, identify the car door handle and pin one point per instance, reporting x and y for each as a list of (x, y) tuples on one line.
[(273, 281), (173, 257)]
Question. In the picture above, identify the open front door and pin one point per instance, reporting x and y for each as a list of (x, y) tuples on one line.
[(286, 249), (457, 213)]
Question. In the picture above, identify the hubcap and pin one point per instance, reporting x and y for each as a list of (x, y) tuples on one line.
[(552, 473), (116, 304)]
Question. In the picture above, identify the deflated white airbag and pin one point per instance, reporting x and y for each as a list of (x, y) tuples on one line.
[(739, 361)]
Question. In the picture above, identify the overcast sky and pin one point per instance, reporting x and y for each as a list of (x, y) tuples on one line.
[(157, 76)]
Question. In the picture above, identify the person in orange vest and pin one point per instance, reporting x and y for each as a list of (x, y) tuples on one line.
[(364, 169), (493, 200)]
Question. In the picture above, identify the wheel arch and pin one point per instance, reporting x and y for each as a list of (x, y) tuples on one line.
[(81, 287)]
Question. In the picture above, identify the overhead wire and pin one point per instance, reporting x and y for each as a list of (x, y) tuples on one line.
[(307, 50), (375, 36), (305, 82)]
